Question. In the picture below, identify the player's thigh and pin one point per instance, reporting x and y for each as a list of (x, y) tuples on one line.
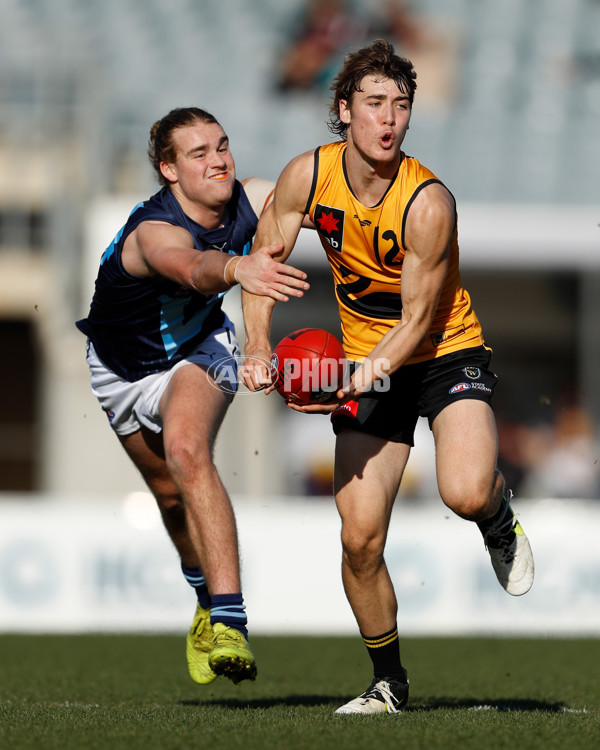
[(466, 445), (192, 409), (368, 470)]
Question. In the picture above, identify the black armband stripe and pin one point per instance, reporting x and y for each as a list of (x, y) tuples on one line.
[(313, 186)]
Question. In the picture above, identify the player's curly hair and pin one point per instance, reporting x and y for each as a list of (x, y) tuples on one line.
[(160, 143), (379, 59)]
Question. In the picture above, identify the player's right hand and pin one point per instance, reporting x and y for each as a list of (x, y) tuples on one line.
[(254, 371)]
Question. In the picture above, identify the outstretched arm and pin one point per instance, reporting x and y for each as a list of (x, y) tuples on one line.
[(278, 227), (157, 248)]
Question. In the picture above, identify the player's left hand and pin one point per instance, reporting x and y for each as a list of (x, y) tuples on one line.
[(361, 381), (364, 378), (323, 407), (259, 273)]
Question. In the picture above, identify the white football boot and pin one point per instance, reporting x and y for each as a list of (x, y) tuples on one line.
[(510, 553), (382, 696)]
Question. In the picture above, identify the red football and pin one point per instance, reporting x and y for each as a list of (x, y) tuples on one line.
[(307, 366)]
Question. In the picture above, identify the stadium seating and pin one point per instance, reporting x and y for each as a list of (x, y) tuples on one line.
[(527, 85), (81, 82)]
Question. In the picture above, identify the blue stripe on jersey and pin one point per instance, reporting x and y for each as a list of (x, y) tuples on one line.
[(177, 325), (111, 248)]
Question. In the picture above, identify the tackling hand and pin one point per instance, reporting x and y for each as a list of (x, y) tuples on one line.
[(259, 273)]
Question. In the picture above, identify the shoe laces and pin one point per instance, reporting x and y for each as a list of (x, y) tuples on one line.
[(199, 626), (382, 689), (228, 633), (499, 538), (500, 533)]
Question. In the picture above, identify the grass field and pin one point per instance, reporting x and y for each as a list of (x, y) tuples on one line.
[(112, 692)]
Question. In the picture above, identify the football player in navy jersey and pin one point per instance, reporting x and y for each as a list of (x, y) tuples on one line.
[(154, 329)]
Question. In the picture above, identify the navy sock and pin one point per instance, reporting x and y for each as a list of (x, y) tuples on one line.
[(195, 578), (384, 651), (230, 610)]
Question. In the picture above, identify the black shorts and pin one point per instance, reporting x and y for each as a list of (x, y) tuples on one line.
[(420, 390)]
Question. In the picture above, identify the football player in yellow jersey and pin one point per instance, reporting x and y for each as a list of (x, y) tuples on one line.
[(416, 343)]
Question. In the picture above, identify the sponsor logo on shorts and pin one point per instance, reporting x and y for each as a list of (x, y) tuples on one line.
[(481, 387), (460, 387), (472, 372), (348, 409), (110, 414)]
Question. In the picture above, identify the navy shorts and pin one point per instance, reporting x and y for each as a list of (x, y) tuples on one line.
[(419, 390)]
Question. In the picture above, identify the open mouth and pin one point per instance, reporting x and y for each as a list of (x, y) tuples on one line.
[(386, 140)]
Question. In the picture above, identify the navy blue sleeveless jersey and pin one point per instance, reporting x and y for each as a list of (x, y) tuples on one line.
[(143, 325)]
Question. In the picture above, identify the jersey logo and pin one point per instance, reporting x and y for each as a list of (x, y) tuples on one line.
[(329, 222), (362, 222)]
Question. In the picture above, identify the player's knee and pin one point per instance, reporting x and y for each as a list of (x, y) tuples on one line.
[(469, 502), (363, 553), (187, 458)]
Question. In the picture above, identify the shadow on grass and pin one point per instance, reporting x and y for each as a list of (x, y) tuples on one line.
[(288, 700), (486, 704), (431, 704)]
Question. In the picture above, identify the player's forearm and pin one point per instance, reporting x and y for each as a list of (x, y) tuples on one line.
[(399, 344), (213, 272), (257, 313), (392, 351), (423, 276)]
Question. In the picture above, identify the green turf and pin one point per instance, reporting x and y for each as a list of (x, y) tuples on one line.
[(111, 692)]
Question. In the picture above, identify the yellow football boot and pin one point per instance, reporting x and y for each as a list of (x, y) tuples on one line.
[(231, 655), (198, 646)]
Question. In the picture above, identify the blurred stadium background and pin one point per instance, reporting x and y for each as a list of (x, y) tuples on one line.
[(506, 114)]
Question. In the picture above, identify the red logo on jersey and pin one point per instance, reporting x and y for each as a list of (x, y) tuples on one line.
[(327, 222), (330, 225)]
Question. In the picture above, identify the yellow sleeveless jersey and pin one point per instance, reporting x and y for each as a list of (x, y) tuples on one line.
[(365, 249)]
